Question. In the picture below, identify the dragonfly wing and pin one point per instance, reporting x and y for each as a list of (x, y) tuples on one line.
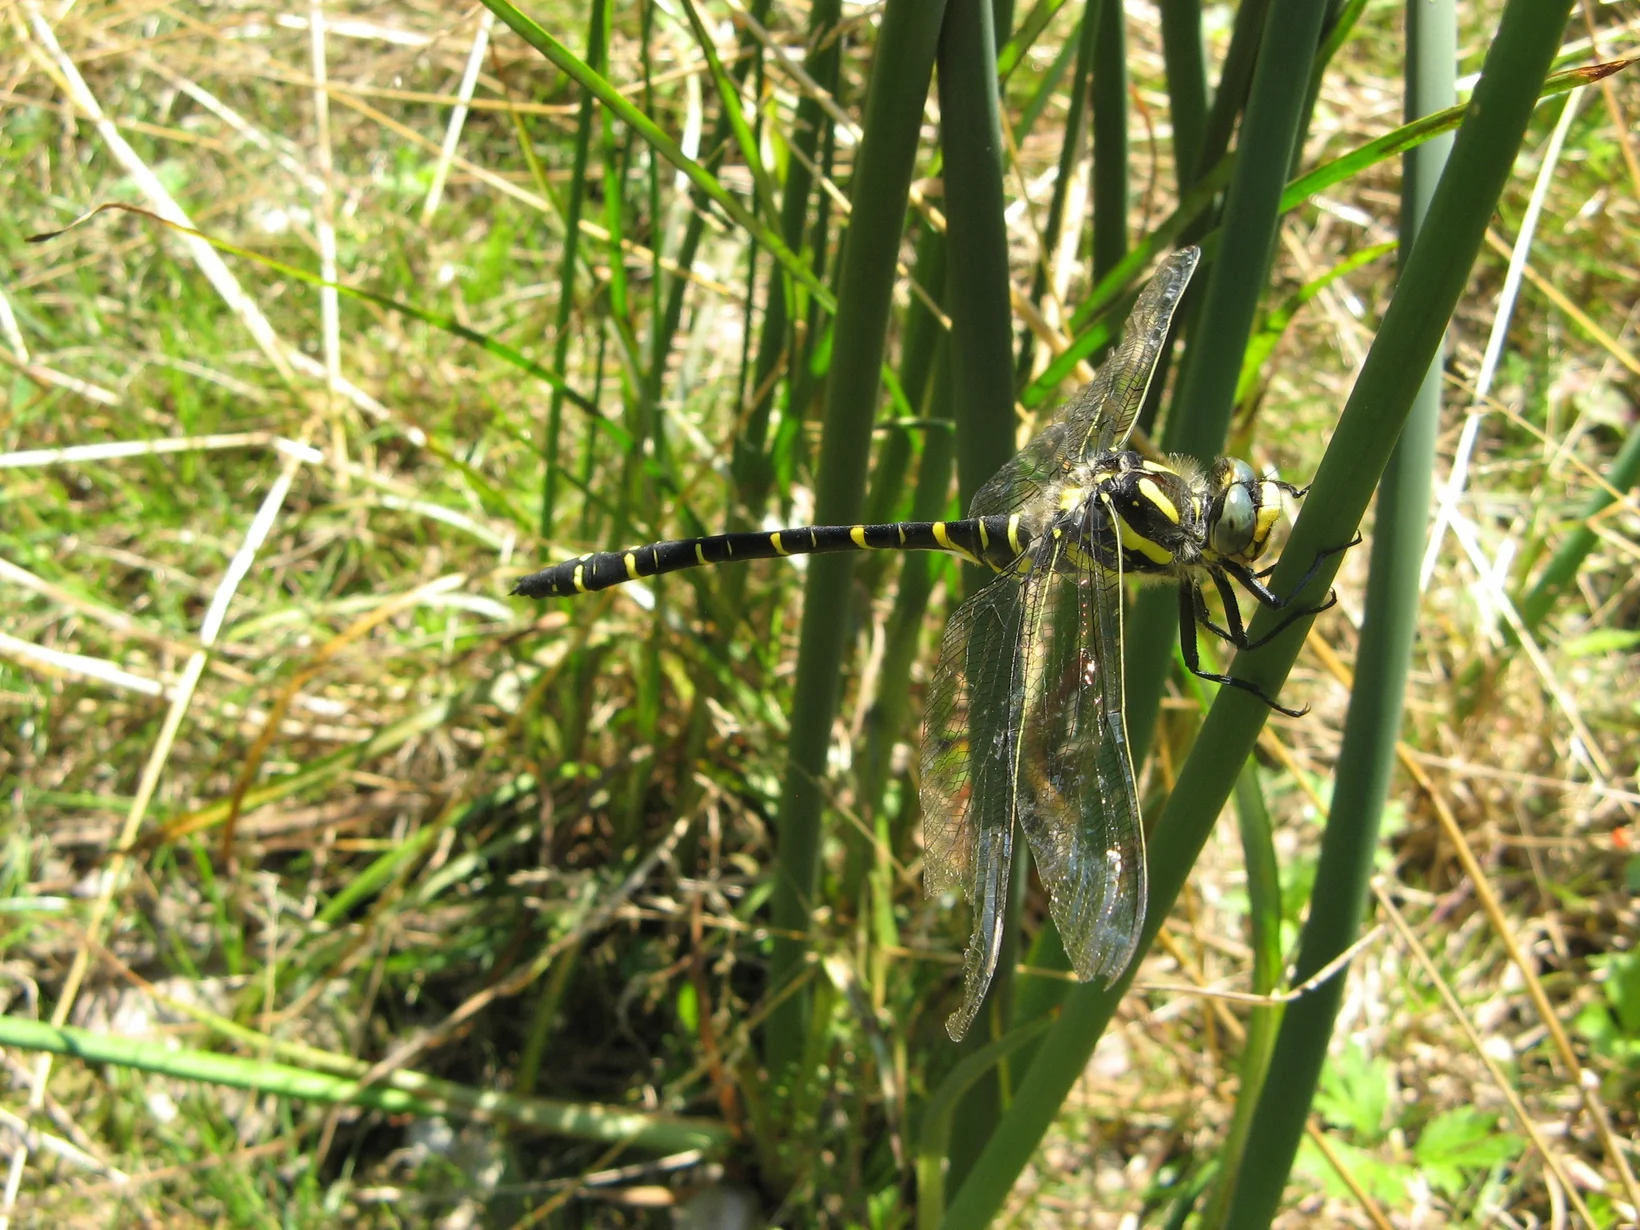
[(1100, 415), (1077, 801), (1117, 391), (970, 727)]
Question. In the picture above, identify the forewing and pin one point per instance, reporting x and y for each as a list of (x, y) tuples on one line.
[(1119, 388), (1100, 415), (970, 723), (1077, 801)]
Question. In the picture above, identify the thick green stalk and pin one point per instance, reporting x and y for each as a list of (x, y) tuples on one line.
[(982, 397), (1367, 756), (1235, 78), (902, 640), (1186, 85), (922, 337), (977, 285), (750, 467), (1110, 143), (883, 168), (925, 377), (1258, 852), (1235, 282), (1434, 277)]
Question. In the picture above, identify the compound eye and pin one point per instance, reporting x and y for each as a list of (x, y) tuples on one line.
[(1241, 474), (1232, 531)]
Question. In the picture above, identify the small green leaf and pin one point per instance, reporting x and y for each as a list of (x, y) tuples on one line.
[(1355, 1093), (688, 1007), (1622, 987), (1385, 1180), (1456, 1145), (1603, 640)]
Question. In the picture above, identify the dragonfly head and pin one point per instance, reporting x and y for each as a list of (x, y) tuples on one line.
[(1244, 510)]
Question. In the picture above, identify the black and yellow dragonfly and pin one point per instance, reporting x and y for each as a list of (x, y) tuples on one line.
[(1023, 719)]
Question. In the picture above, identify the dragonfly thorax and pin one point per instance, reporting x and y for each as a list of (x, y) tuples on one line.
[(1160, 518)]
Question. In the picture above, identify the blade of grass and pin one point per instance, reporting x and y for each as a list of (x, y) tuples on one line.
[(933, 1143), (423, 1098), (1561, 570), (1235, 79), (751, 465), (729, 97), (566, 279)]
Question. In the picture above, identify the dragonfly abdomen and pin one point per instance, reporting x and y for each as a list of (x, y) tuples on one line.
[(996, 541)]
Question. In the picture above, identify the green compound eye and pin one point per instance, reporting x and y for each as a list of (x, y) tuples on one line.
[(1232, 530)]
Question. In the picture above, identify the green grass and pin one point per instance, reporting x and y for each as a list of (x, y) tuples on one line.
[(343, 888)]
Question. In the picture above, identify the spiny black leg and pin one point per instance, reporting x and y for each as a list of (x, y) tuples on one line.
[(1315, 565), (1192, 654), (1205, 619), (1292, 616)]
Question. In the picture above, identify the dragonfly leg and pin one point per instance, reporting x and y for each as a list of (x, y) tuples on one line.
[(1292, 616), (1234, 633), (1309, 574), (1189, 597)]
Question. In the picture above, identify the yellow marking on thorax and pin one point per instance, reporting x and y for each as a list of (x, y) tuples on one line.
[(631, 562), (1158, 467), (858, 534), (1154, 494), (1265, 522), (1135, 541), (1072, 498), (1013, 534), (774, 541)]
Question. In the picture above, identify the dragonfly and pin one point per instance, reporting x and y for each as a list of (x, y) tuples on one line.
[(1024, 724)]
